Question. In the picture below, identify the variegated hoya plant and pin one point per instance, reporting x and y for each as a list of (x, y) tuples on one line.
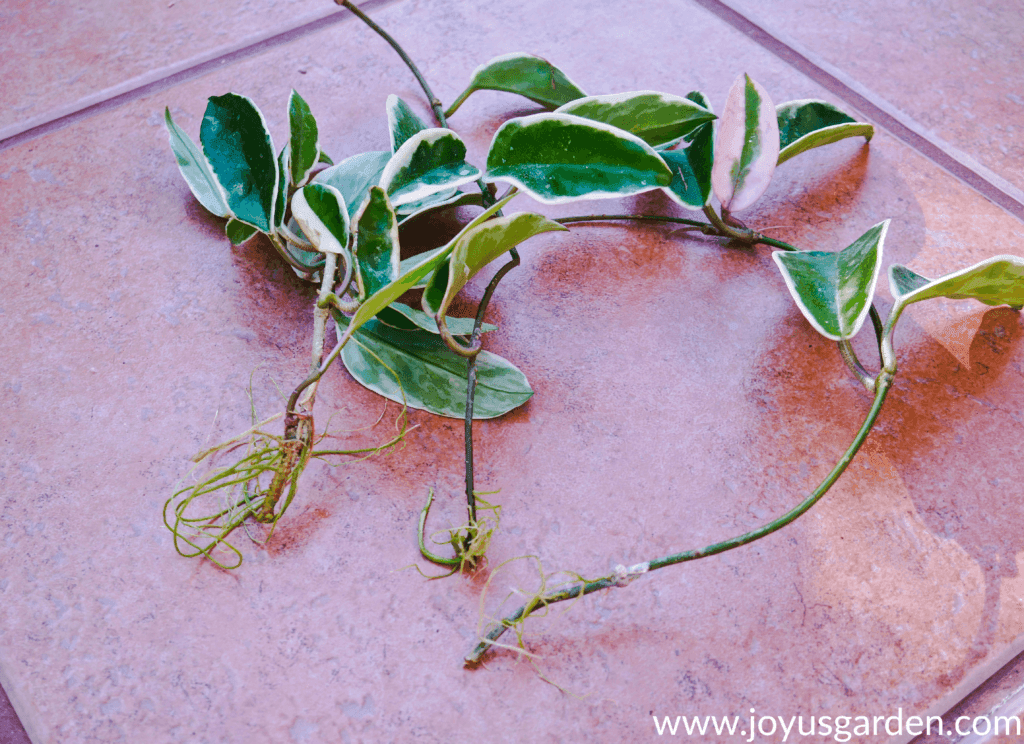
[(339, 225)]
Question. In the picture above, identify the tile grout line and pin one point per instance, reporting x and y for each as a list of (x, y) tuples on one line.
[(22, 707), (955, 162), (150, 83), (1010, 704)]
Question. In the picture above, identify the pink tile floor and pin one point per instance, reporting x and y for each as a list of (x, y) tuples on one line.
[(680, 398)]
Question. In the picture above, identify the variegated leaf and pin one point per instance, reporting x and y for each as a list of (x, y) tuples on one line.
[(834, 290), (561, 158), (746, 146), (429, 162)]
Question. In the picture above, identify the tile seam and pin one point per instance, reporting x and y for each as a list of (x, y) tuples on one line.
[(1011, 704), (155, 82), (26, 712), (959, 164)]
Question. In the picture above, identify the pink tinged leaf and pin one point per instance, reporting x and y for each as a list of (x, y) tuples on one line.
[(746, 146)]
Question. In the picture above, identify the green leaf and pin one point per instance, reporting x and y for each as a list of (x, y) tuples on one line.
[(430, 202), (691, 172), (321, 213), (403, 123), (412, 261), (428, 162), (659, 119), (747, 146), (691, 167), (434, 291), (995, 281), (525, 74), (325, 158), (834, 290), (408, 318), (354, 176), (238, 232), (430, 376), (804, 125), (561, 158), (282, 190), (903, 281), (477, 248), (196, 170), (238, 146), (438, 201), (304, 143), (376, 243), (705, 103), (416, 272), (407, 280)]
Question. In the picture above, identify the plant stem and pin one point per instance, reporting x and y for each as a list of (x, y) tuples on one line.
[(882, 384), (320, 313), (293, 400), (759, 238), (458, 102), (725, 230), (885, 346), (435, 103), (716, 228), (493, 208), (471, 375), (475, 343), (854, 365), (468, 429), (453, 343), (291, 260), (295, 239), (453, 563), (708, 229)]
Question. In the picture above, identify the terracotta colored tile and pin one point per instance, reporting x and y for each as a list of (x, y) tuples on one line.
[(60, 56), (954, 66), (680, 399)]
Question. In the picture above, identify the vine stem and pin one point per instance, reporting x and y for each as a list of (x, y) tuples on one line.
[(621, 578), (295, 239), (717, 227), (726, 230), (435, 103), (289, 259), (854, 365), (471, 387), (320, 314), (315, 376), (458, 102), (708, 229), (438, 109)]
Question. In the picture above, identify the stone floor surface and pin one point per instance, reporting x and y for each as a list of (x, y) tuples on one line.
[(680, 398), (60, 57), (955, 67)]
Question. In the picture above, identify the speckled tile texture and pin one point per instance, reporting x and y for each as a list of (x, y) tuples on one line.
[(680, 399), (59, 55), (956, 67)]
